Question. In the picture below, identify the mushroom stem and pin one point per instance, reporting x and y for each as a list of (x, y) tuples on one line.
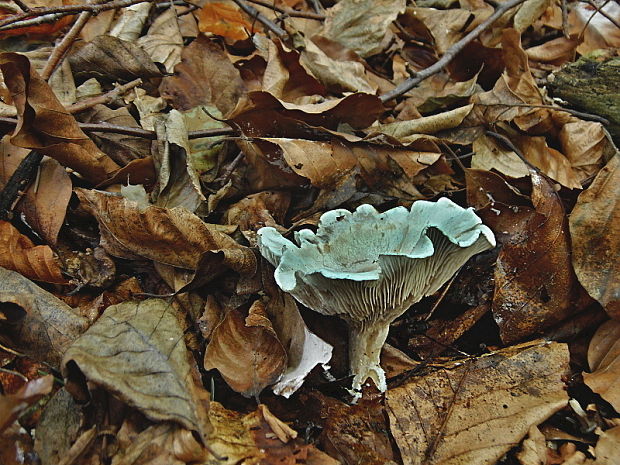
[(365, 343)]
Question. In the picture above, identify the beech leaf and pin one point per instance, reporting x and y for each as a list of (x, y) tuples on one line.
[(480, 409), (604, 361), (136, 351)]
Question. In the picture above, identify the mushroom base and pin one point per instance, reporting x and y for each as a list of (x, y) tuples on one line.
[(365, 345)]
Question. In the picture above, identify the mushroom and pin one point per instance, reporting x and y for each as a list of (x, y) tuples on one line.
[(369, 267)]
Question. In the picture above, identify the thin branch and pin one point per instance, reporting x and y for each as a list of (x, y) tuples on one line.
[(22, 5), (65, 44), (410, 83), (255, 14), (103, 98), (17, 184), (137, 132), (601, 11), (289, 12), (579, 114), (45, 15)]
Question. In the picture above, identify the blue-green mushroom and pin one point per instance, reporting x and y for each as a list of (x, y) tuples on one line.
[(368, 267)]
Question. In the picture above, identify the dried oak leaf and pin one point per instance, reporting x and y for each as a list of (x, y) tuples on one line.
[(109, 58), (163, 41), (595, 236), (42, 326), (174, 237), (604, 361), (44, 124), (225, 19), (135, 350), (246, 351), (253, 439), (480, 409), (535, 285), (13, 405), (205, 76), (18, 253)]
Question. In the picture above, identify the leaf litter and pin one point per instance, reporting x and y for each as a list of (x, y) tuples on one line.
[(144, 146)]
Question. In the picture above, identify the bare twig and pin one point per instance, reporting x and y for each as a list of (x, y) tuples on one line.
[(565, 28), (255, 14), (22, 5), (579, 114), (103, 98), (601, 11), (46, 15), (137, 132), (288, 11), (410, 83), (60, 50), (17, 183), (508, 143), (598, 9)]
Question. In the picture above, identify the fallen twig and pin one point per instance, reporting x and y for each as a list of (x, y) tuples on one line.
[(269, 24), (45, 15), (410, 83), (288, 11), (60, 50), (137, 132), (22, 5), (103, 98)]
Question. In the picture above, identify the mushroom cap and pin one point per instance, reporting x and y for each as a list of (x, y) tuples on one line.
[(368, 266)]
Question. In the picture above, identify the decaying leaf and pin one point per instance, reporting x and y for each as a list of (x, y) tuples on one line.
[(136, 351), (535, 285), (46, 126), (18, 253), (594, 224), (109, 58), (163, 41), (246, 351), (224, 19), (205, 76), (174, 237), (42, 325), (479, 410), (604, 361), (250, 439), (362, 25), (13, 405)]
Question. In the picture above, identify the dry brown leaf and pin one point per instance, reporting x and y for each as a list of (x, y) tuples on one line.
[(584, 144), (607, 447), (604, 361), (478, 411), (122, 148), (46, 126), (534, 448), (447, 26), (44, 326), (529, 12), (595, 238), (362, 25), (163, 41), (18, 253), (535, 286), (13, 405), (45, 202), (135, 350), (249, 439), (205, 76), (556, 51), (489, 155), (174, 237), (109, 58), (224, 19), (246, 351), (257, 210)]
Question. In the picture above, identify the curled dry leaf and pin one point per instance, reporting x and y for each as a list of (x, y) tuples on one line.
[(163, 41), (479, 410), (174, 237), (205, 76), (224, 19), (13, 405), (595, 235), (109, 58), (18, 253), (604, 361), (135, 350), (43, 326), (246, 351), (250, 439), (535, 285), (44, 124), (362, 25)]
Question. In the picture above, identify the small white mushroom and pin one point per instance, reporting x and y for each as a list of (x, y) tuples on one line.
[(369, 267)]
